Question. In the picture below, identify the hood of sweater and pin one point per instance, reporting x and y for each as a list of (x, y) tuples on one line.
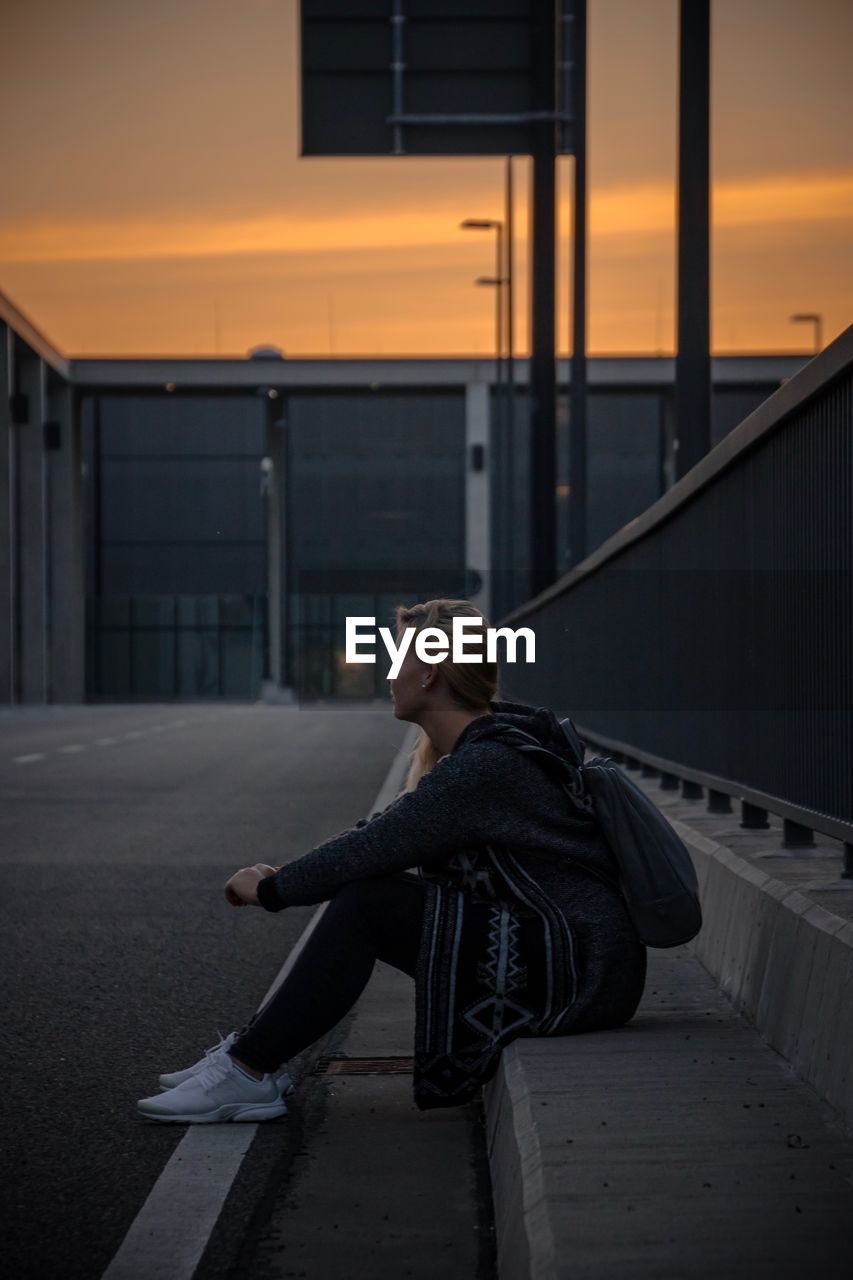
[(535, 730), (557, 749), (510, 720)]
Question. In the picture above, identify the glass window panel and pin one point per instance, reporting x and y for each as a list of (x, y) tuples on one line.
[(154, 664), (112, 611), (198, 664), (200, 499), (198, 611), (242, 658), (313, 665), (113, 650), (153, 611), (169, 426), (351, 606), (242, 611), (184, 569)]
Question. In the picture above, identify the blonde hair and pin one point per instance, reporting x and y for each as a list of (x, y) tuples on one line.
[(471, 685)]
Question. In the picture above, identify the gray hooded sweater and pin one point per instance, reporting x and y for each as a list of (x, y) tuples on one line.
[(525, 931), (483, 791)]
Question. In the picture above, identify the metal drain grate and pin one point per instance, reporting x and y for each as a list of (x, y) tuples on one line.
[(363, 1066)]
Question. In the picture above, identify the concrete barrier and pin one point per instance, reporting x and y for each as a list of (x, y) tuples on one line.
[(782, 960)]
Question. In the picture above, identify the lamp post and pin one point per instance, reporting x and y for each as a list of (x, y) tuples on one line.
[(502, 282), (815, 318), (498, 280), (510, 313)]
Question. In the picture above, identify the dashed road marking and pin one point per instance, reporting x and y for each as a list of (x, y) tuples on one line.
[(132, 734), (74, 748)]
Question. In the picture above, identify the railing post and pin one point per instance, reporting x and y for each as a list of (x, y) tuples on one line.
[(753, 817), (718, 802), (796, 836)]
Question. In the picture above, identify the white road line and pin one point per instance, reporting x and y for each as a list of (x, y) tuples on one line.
[(74, 748), (171, 1230), (169, 1235)]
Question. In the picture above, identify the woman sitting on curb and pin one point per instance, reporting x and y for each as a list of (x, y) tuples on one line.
[(484, 880)]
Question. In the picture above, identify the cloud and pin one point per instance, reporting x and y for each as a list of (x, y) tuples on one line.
[(615, 213)]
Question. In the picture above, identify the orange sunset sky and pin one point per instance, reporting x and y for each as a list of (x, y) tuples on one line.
[(152, 199)]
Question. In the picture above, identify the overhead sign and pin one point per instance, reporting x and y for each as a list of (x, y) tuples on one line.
[(434, 77)]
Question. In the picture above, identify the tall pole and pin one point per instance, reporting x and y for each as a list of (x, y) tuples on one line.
[(499, 316), (543, 360), (508, 513), (693, 361), (575, 32), (501, 278), (497, 407)]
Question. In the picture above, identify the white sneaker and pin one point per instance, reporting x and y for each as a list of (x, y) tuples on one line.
[(219, 1092), (170, 1079)]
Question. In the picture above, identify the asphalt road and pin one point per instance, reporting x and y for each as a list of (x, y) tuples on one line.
[(121, 959)]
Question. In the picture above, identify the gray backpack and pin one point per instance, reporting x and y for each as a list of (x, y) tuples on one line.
[(656, 874)]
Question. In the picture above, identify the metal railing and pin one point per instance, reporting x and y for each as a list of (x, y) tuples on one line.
[(711, 639)]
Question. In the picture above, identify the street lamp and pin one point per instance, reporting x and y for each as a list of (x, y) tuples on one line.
[(496, 282), (502, 282), (503, 279), (493, 224), (815, 318)]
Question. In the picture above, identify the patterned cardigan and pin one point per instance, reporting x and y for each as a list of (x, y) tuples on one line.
[(524, 929)]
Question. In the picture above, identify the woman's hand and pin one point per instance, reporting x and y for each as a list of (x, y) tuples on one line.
[(242, 889)]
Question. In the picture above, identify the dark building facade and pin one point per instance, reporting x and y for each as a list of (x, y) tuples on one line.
[(200, 529)]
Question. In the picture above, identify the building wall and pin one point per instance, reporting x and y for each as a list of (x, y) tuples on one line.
[(164, 538), (176, 583), (372, 496), (375, 503)]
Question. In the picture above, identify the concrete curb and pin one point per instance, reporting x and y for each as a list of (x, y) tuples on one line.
[(783, 961), (525, 1238)]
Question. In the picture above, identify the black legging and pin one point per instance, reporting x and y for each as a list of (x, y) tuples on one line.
[(367, 920)]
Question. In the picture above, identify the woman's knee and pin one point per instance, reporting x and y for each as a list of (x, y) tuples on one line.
[(388, 909), (358, 893), (387, 890)]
